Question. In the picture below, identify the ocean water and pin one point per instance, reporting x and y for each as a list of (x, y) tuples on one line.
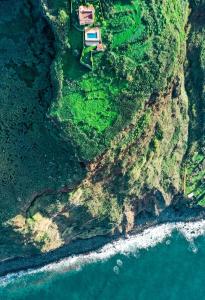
[(165, 262)]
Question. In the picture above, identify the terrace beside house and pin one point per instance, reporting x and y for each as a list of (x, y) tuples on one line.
[(93, 38)]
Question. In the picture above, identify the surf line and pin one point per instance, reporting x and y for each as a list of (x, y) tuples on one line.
[(146, 239)]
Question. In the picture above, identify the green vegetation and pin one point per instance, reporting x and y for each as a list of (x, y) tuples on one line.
[(63, 17), (57, 5), (93, 111), (195, 173), (63, 104), (144, 43), (87, 57), (195, 85), (32, 155)]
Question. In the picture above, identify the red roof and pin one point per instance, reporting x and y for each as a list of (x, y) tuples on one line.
[(86, 15)]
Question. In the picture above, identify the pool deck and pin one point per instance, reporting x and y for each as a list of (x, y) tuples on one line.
[(92, 36)]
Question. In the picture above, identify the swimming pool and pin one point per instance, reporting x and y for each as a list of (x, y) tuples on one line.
[(92, 35)]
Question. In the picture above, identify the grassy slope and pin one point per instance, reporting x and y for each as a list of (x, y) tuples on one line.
[(195, 84), (143, 50)]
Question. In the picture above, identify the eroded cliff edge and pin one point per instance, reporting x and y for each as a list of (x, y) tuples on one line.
[(147, 166)]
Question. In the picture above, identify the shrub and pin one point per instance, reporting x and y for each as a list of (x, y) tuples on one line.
[(63, 17)]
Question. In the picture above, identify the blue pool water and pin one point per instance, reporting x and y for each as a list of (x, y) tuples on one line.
[(92, 35), (162, 263)]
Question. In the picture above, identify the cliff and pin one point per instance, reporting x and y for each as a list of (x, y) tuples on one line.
[(98, 152)]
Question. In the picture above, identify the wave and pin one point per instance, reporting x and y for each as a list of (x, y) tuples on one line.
[(148, 238)]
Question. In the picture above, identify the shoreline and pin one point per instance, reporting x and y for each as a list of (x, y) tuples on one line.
[(86, 246)]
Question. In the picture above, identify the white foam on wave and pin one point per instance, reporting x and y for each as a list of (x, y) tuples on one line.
[(148, 238), (191, 230)]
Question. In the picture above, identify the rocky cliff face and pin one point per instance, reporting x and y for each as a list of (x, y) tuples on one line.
[(140, 174), (135, 180)]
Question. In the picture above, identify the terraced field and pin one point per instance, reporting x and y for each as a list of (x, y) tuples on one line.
[(95, 104), (89, 102)]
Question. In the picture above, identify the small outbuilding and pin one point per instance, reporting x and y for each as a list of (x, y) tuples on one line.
[(92, 36), (191, 195), (86, 15), (100, 47)]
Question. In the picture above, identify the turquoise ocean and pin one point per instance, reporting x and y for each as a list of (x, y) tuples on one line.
[(164, 262)]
